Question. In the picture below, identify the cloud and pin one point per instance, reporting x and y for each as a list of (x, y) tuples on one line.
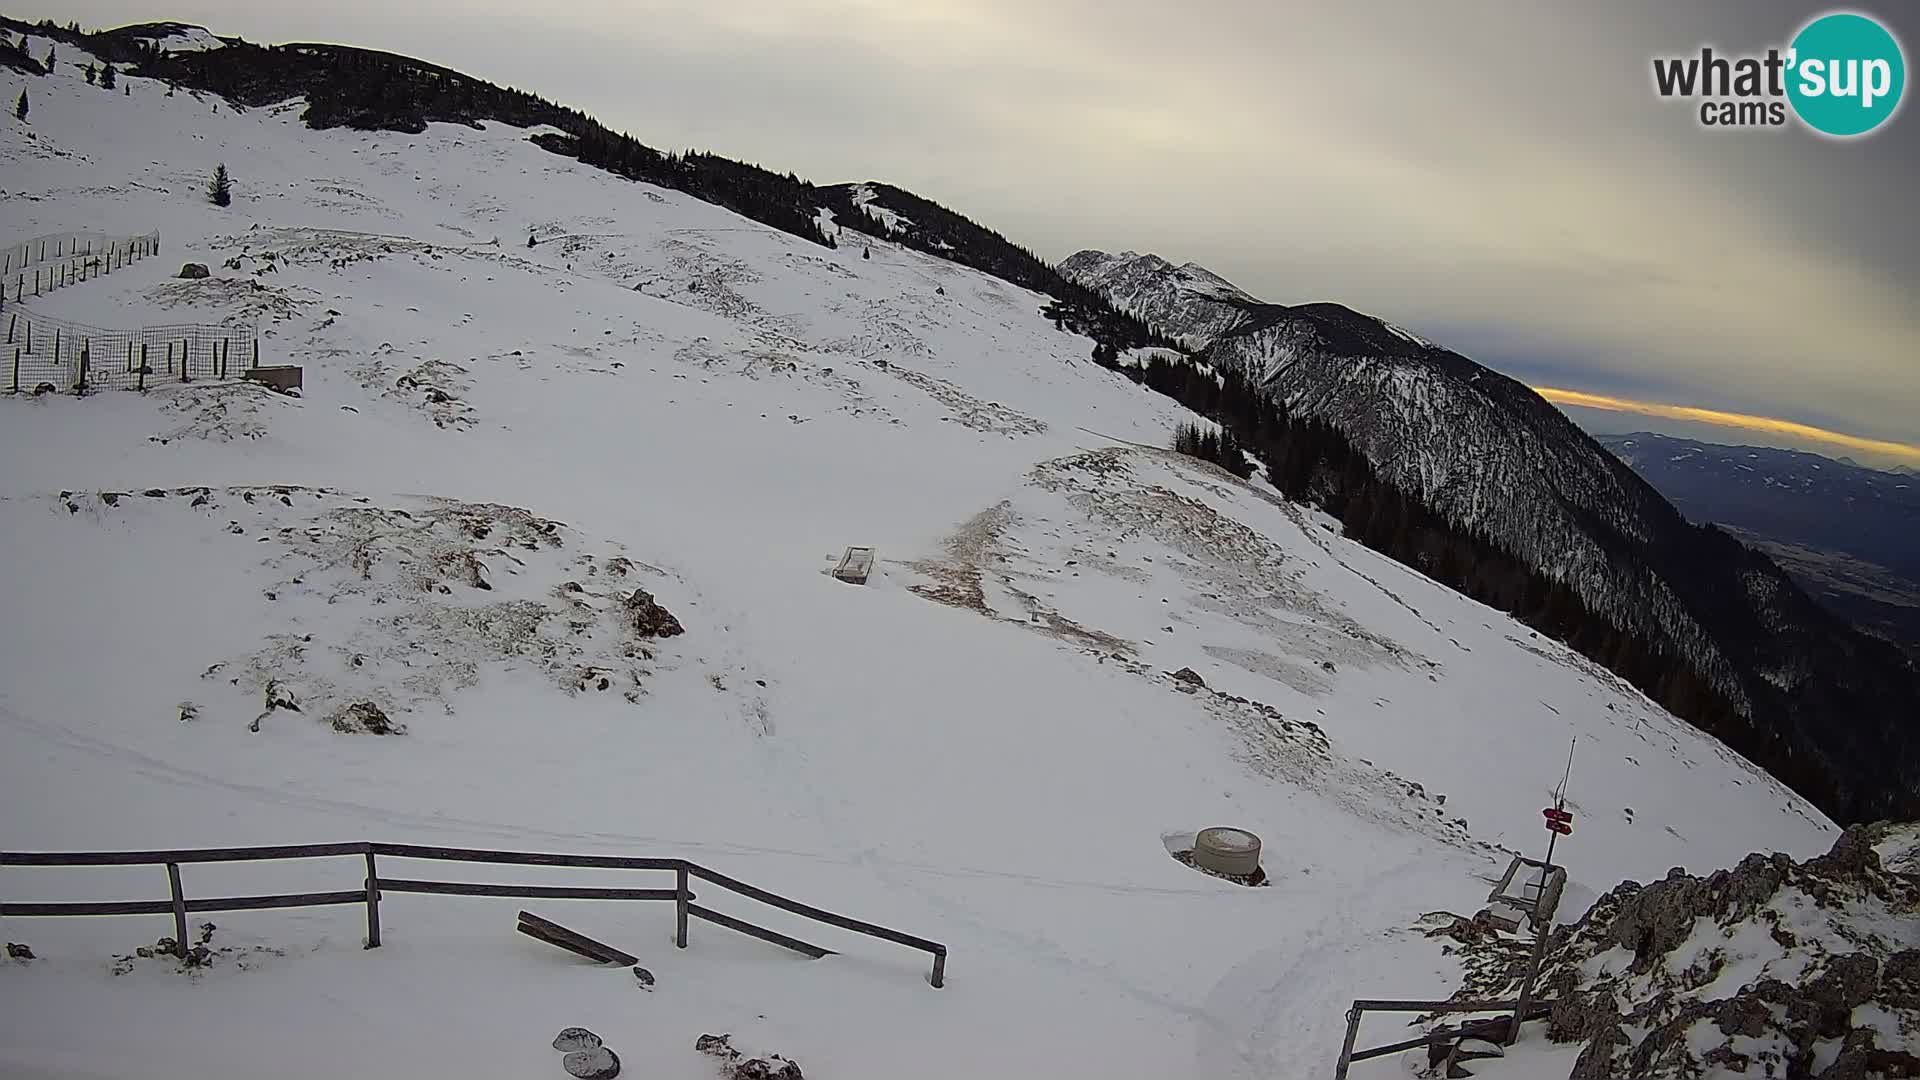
[(1764, 425)]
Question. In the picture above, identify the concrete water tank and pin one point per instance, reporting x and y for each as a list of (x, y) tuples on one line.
[(1227, 851)]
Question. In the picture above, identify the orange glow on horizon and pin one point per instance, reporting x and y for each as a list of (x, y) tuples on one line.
[(1767, 424)]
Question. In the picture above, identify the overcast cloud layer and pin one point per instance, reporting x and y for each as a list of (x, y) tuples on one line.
[(1499, 176)]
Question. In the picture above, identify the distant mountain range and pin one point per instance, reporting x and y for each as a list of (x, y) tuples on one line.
[(1849, 534)]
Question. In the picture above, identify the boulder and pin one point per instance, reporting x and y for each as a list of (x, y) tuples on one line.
[(194, 271), (1189, 676), (364, 717), (574, 1039), (648, 618), (598, 1063)]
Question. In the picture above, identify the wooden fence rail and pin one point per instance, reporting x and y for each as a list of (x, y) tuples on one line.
[(374, 885)]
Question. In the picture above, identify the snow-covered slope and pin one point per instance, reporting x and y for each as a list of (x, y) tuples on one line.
[(1811, 698), (500, 445)]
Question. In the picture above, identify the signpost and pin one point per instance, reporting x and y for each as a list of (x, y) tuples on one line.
[(1559, 824)]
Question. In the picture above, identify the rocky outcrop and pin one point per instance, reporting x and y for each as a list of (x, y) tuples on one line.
[(1828, 985), (195, 271), (738, 1066), (648, 618)]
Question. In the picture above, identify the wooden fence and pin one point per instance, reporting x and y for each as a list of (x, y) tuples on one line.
[(42, 351), (45, 263), (373, 885)]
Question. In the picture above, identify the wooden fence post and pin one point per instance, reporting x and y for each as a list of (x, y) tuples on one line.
[(226, 350), (183, 359), (16, 369), (179, 909), (680, 905), (1353, 1031), (140, 380), (86, 358), (256, 353), (129, 357), (939, 977), (373, 903), (12, 321)]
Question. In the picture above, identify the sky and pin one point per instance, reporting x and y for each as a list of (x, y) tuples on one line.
[(1501, 177)]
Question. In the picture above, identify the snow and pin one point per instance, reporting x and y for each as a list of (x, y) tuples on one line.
[(992, 761), (190, 39)]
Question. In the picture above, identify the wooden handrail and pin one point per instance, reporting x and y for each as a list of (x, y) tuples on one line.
[(191, 855), (374, 884)]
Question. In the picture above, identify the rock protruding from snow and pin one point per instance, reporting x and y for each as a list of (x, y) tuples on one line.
[(598, 1063), (364, 717), (1773, 967), (738, 1066), (574, 1039), (648, 618), (195, 271)]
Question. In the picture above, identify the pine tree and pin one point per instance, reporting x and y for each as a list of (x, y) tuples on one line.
[(220, 188), (92, 74), (20, 107), (106, 77)]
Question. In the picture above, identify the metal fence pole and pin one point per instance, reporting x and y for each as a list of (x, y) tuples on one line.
[(179, 910)]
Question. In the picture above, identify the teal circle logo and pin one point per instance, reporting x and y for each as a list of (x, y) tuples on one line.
[(1845, 74)]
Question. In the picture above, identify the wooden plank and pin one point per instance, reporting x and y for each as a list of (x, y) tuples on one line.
[(520, 858), (817, 914), (284, 900), (373, 903), (547, 892), (129, 907), (554, 934), (164, 907), (570, 945), (194, 855), (179, 910), (761, 932), (681, 895)]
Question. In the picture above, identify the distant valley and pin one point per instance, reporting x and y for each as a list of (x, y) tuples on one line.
[(1849, 534)]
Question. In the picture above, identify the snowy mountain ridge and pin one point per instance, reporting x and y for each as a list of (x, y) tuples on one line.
[(513, 462)]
